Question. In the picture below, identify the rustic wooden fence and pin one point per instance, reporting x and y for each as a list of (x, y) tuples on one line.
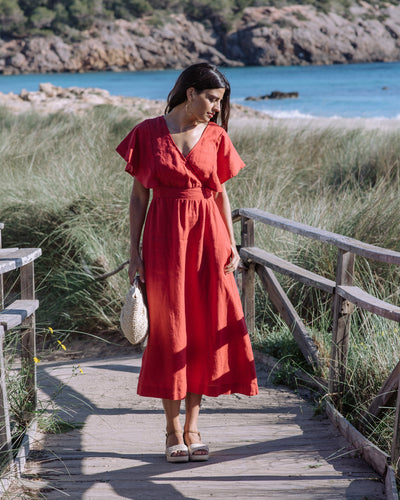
[(345, 297), (19, 313)]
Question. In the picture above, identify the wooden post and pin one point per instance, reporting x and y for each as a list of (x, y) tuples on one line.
[(342, 310), (5, 431), (29, 336), (248, 279), (1, 279), (396, 432)]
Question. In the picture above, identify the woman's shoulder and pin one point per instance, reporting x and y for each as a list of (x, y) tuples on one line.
[(148, 123), (216, 130)]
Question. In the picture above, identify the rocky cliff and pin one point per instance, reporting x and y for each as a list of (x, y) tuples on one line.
[(263, 36)]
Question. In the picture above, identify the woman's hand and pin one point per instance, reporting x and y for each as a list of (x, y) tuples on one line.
[(233, 262), (136, 266)]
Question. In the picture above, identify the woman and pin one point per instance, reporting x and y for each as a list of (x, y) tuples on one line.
[(198, 342)]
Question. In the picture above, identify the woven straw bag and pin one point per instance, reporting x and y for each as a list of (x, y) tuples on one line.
[(134, 318)]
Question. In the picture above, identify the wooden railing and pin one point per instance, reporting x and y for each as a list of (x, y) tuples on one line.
[(20, 313), (345, 297)]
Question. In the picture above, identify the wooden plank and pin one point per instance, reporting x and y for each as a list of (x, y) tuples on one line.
[(287, 311), (6, 252), (18, 258), (341, 312), (5, 430), (366, 301), (17, 312), (396, 431), (236, 217), (248, 277), (375, 457), (1, 276), (343, 242), (390, 484), (386, 394), (284, 267), (273, 447)]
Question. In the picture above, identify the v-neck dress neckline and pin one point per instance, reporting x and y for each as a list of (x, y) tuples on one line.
[(185, 157)]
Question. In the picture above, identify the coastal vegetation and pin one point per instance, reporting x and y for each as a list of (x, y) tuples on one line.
[(64, 190), (68, 17)]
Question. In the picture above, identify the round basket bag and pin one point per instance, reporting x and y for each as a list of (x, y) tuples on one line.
[(134, 317)]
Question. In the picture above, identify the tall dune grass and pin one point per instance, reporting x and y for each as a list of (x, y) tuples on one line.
[(63, 188)]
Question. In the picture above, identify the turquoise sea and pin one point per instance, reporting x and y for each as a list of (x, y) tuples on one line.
[(355, 90)]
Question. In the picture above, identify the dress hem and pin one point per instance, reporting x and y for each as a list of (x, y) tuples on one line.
[(151, 393)]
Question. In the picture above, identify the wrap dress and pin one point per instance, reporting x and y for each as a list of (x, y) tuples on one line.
[(198, 340)]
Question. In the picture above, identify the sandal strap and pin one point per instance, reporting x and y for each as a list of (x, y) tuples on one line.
[(192, 432), (176, 447), (197, 447)]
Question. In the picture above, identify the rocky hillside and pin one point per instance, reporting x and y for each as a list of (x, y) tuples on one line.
[(296, 34)]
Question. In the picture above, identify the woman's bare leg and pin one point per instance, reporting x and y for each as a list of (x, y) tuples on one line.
[(173, 427), (192, 404)]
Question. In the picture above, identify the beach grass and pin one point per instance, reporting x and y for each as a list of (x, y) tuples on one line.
[(64, 190)]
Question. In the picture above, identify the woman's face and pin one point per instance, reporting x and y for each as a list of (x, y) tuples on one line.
[(204, 104)]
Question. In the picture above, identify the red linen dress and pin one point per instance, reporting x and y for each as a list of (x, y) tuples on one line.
[(198, 339)]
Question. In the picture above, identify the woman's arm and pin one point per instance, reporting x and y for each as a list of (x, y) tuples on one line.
[(137, 215), (224, 207)]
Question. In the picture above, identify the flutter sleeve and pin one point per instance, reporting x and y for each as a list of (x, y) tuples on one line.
[(135, 149), (229, 162)]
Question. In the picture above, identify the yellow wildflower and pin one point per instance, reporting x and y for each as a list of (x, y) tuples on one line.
[(36, 360), (80, 369), (51, 329), (62, 345)]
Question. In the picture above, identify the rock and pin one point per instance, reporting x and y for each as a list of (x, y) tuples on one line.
[(49, 89), (291, 35), (51, 99), (275, 94)]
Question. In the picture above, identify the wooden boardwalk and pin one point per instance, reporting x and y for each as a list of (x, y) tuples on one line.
[(271, 446)]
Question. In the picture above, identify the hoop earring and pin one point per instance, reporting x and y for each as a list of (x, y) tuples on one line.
[(188, 111)]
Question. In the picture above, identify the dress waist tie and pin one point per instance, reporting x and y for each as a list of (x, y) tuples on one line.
[(194, 193)]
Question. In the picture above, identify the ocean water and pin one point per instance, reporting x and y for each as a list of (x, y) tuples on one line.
[(349, 91)]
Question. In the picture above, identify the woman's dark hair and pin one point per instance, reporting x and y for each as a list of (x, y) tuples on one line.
[(201, 76)]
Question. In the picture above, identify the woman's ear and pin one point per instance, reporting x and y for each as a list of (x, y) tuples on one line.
[(190, 93)]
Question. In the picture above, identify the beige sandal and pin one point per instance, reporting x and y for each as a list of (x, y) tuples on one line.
[(192, 448), (169, 450)]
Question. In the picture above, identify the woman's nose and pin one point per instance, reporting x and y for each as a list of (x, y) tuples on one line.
[(217, 107)]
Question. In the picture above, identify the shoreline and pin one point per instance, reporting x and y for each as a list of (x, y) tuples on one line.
[(52, 99)]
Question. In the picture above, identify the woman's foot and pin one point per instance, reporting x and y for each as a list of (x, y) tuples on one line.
[(198, 451), (175, 449)]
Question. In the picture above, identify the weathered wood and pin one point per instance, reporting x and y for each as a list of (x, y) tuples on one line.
[(267, 447), (341, 326), (14, 258), (375, 457), (390, 484), (5, 431), (287, 311), (17, 312), (236, 217), (386, 394), (396, 432), (366, 301), (343, 242), (248, 278), (4, 252), (28, 352), (1, 276), (284, 267)]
